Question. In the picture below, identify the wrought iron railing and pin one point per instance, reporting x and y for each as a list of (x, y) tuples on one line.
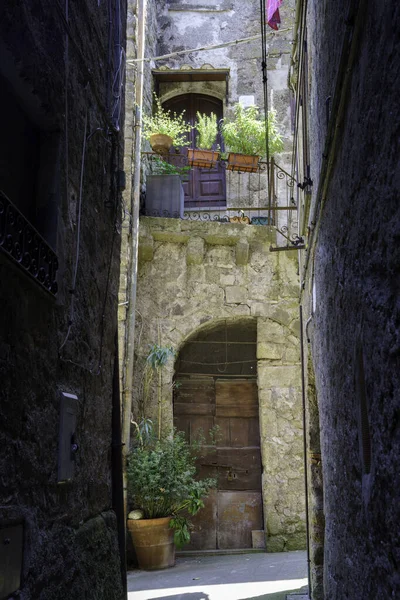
[(20, 241), (263, 197)]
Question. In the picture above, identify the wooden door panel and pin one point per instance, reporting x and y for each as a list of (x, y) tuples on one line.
[(195, 409), (239, 468), (238, 432), (232, 411), (238, 514), (204, 187), (204, 533), (235, 507), (239, 393), (197, 391), (244, 432)]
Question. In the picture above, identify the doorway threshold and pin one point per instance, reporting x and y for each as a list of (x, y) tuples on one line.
[(227, 552)]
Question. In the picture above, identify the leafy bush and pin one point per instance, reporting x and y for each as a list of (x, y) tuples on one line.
[(162, 121), (247, 132), (161, 481), (207, 130), (162, 167)]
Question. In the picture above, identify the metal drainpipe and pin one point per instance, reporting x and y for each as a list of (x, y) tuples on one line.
[(134, 244), (303, 391), (117, 477)]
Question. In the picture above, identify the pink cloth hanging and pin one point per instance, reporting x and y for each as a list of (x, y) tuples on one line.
[(273, 17)]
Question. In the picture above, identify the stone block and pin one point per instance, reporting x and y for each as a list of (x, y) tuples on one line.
[(258, 309), (292, 355), (270, 376), (242, 252), (270, 351), (273, 524), (235, 294), (296, 541), (195, 251), (258, 538), (146, 248), (227, 279), (275, 543), (271, 331)]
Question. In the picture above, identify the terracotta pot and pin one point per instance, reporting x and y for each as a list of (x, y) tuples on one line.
[(154, 542), (160, 143), (243, 220), (242, 162), (204, 159)]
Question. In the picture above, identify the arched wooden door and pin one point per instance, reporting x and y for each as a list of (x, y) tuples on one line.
[(203, 187), (216, 385)]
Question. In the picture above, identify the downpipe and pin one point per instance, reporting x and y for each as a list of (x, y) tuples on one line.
[(303, 393), (134, 246)]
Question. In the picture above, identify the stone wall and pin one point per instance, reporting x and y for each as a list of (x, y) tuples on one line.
[(194, 274), (354, 265), (185, 25), (70, 546), (197, 24)]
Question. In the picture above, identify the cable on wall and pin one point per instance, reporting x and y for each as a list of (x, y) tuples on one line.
[(78, 235), (132, 61), (263, 23)]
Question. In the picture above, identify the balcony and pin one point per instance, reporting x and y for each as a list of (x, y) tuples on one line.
[(262, 198)]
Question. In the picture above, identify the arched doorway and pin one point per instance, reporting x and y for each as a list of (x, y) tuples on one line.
[(216, 385), (203, 187)]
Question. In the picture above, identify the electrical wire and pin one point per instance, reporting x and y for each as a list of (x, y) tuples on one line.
[(78, 236), (132, 61)]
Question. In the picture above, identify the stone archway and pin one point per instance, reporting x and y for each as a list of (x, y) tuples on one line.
[(216, 387)]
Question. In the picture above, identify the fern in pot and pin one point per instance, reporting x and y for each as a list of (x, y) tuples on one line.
[(164, 491), (204, 156)]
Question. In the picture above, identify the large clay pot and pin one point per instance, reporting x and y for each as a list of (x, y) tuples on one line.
[(160, 143), (154, 542)]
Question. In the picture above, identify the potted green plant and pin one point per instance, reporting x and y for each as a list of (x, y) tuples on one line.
[(245, 138), (164, 129), (207, 130), (164, 491)]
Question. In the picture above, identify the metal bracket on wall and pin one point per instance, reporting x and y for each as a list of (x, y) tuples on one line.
[(294, 242)]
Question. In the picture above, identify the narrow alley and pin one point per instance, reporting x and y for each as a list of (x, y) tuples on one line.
[(199, 300)]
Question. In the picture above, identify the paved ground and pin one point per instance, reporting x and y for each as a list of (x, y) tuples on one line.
[(239, 577)]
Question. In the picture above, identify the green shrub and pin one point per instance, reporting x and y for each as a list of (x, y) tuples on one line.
[(246, 133), (161, 481), (162, 167)]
